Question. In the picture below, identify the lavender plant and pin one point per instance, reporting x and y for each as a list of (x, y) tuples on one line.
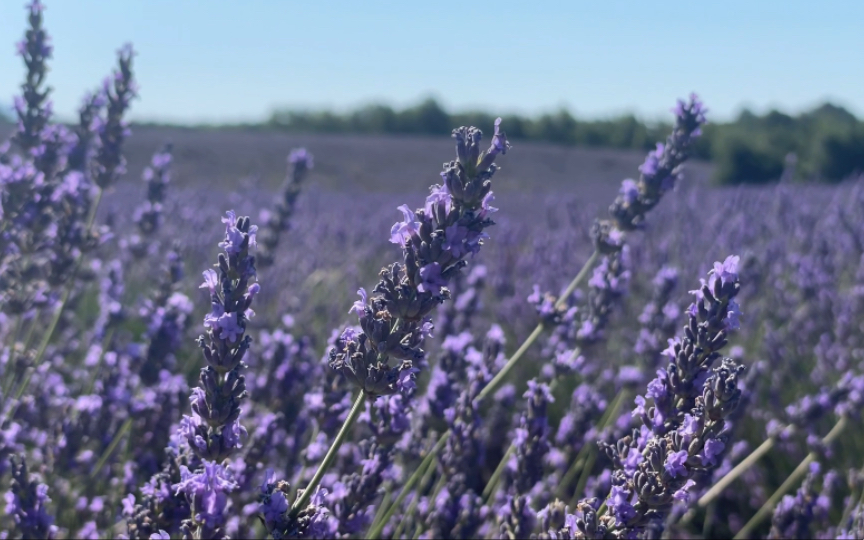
[(96, 360)]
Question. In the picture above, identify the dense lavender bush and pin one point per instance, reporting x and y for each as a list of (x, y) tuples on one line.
[(437, 412)]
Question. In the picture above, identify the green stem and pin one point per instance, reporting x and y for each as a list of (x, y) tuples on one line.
[(799, 471), (492, 484), (577, 280), (588, 452), (46, 338), (570, 475), (9, 376), (850, 507), (375, 530), (739, 469), (419, 528), (579, 461), (590, 459), (29, 334), (303, 468), (110, 450), (494, 480), (303, 500), (424, 483), (385, 502), (499, 378), (710, 513)]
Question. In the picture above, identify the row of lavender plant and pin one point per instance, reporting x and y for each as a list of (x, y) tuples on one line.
[(101, 435)]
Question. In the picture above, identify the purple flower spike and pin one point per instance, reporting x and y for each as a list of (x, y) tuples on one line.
[(278, 222), (207, 492), (300, 157), (683, 428), (659, 174), (213, 431), (26, 503), (435, 240)]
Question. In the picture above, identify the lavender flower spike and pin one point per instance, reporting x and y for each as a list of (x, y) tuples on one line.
[(148, 216), (207, 492), (113, 130), (25, 502), (33, 108), (213, 430), (435, 241), (684, 432), (279, 221), (659, 173)]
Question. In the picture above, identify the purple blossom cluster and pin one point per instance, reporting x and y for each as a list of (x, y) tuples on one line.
[(149, 214), (435, 240), (278, 221), (302, 423)]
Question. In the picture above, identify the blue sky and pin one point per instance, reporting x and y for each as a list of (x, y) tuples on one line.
[(220, 60)]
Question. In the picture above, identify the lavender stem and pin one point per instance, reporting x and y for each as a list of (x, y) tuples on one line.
[(492, 484), (583, 461), (511, 363), (113, 446), (739, 469), (424, 484), (768, 507), (375, 530), (303, 500)]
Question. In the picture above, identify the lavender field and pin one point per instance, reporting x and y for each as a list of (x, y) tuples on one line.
[(247, 334)]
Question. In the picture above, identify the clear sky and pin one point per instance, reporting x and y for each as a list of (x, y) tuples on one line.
[(220, 60)]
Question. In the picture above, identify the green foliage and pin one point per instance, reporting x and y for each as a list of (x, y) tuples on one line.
[(827, 142), (429, 118), (840, 154), (739, 161)]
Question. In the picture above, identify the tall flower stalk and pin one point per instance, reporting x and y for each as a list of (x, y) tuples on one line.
[(435, 240), (278, 222), (683, 428), (213, 431), (26, 502)]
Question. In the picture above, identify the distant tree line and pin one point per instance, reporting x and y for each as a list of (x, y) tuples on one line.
[(825, 144)]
